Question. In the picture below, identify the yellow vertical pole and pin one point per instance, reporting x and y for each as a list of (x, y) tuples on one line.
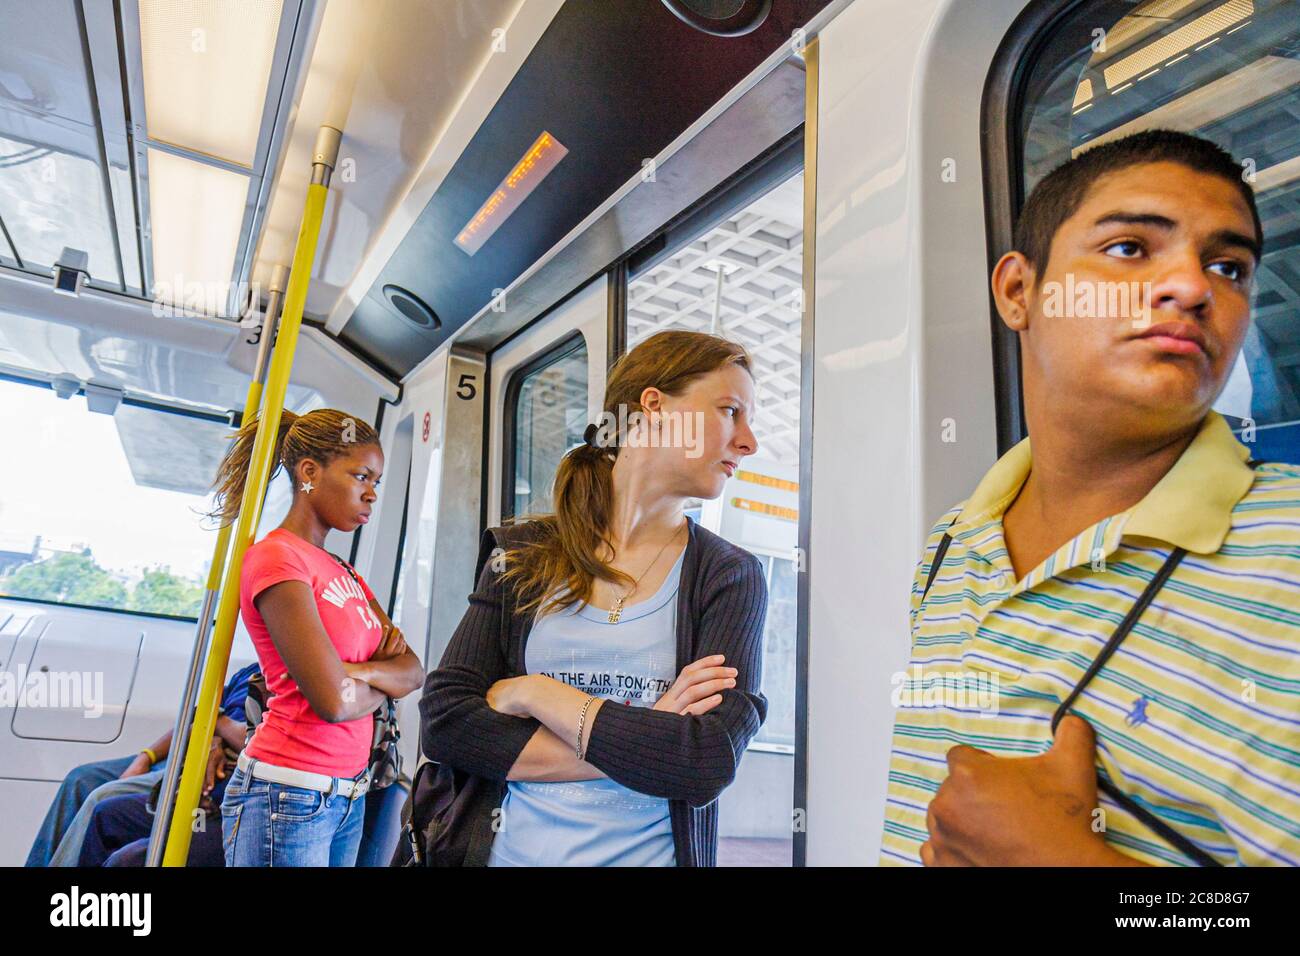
[(196, 753), (185, 711)]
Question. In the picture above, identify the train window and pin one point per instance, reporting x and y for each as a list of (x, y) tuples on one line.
[(743, 279), (1229, 71), (149, 552), (779, 653), (55, 197), (546, 406), (399, 575)]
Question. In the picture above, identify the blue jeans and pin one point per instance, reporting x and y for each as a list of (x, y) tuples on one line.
[(273, 824), (58, 842), (383, 825)]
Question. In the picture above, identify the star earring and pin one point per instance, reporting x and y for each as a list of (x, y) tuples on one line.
[(307, 487)]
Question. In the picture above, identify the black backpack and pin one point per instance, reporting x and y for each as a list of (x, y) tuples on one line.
[(447, 818)]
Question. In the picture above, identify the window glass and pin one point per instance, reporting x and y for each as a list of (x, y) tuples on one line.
[(550, 414), (395, 602), (743, 279), (82, 522), (1228, 71), (779, 639), (399, 591)]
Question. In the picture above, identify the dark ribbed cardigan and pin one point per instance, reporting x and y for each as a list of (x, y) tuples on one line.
[(721, 606)]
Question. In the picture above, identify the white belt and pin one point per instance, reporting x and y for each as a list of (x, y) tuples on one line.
[(303, 778)]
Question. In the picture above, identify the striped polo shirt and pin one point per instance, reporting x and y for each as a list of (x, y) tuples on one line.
[(1197, 714)]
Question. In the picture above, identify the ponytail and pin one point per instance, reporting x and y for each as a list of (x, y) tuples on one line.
[(564, 561), (568, 551), (232, 473), (321, 435)]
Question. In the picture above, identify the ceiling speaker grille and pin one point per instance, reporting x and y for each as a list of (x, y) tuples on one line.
[(721, 18), (714, 9), (411, 307)]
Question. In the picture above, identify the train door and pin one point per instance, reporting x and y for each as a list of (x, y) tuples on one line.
[(736, 269), (547, 383)]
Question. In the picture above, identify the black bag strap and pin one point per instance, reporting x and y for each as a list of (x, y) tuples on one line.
[(939, 554), (1152, 822), (1121, 632), (346, 567), (1148, 818)]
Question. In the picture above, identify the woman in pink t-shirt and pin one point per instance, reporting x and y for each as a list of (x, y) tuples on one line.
[(329, 653)]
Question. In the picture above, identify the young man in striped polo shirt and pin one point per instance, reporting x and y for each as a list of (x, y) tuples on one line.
[(1192, 727)]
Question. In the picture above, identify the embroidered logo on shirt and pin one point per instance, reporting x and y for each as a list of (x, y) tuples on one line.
[(1138, 715)]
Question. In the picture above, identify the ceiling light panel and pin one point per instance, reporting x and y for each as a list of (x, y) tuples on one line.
[(196, 211), (206, 68), (1188, 35), (50, 199), (1144, 20), (1213, 102)]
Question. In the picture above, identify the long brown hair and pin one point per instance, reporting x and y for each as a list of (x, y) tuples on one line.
[(321, 435), (565, 556)]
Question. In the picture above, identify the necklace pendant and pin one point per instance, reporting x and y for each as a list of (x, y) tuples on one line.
[(616, 611)]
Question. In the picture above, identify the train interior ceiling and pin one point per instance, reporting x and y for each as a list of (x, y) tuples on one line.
[(524, 189)]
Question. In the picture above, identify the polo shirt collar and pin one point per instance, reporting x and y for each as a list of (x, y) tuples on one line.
[(1190, 507), (996, 490)]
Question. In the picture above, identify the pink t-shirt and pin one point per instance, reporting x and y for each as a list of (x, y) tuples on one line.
[(291, 734)]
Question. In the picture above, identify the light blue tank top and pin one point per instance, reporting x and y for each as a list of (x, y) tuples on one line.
[(596, 822)]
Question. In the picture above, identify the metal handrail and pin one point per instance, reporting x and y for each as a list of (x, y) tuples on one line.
[(324, 159), (203, 626)]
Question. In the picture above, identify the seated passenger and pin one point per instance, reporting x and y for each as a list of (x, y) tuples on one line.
[(601, 723), (59, 841), (329, 652), (1128, 489), (118, 833)]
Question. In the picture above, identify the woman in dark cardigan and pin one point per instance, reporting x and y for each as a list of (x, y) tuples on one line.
[(604, 683)]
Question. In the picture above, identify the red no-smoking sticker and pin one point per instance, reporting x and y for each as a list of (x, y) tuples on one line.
[(425, 433)]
